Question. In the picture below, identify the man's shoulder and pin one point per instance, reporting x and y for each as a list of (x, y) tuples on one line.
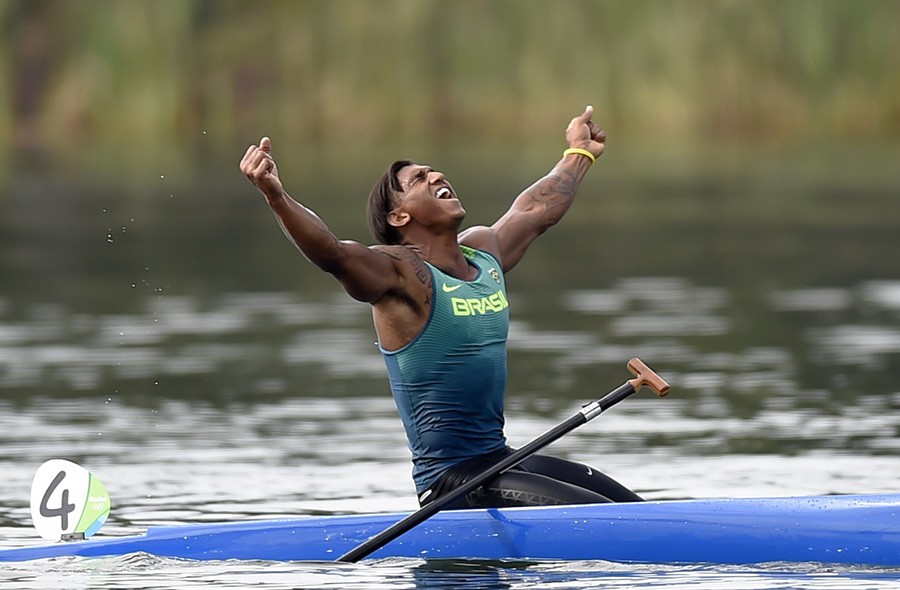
[(396, 252), (404, 257), (481, 237)]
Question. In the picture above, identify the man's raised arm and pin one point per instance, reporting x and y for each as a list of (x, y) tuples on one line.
[(364, 273), (545, 202)]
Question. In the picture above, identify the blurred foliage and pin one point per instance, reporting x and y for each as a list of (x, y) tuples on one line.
[(116, 76)]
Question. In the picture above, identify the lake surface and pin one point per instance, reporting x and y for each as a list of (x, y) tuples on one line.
[(162, 333)]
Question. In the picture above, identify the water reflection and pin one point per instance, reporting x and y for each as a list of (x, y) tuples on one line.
[(293, 355), (267, 339), (149, 572)]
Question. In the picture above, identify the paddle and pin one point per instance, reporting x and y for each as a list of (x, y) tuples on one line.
[(643, 376), (68, 502)]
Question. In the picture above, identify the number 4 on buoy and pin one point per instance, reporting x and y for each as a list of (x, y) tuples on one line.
[(67, 501)]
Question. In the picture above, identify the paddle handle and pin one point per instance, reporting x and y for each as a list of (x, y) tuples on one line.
[(644, 375)]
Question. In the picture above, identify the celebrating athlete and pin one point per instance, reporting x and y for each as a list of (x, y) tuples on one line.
[(441, 314)]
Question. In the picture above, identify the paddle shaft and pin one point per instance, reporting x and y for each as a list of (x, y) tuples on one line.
[(587, 413)]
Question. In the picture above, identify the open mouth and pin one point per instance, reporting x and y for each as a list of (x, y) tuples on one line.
[(443, 193)]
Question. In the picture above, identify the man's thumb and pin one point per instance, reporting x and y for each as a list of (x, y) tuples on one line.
[(265, 144), (588, 113)]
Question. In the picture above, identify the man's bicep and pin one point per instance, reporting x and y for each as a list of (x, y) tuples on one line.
[(515, 232), (367, 274)]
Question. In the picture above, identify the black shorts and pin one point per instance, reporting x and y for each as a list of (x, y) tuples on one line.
[(539, 480)]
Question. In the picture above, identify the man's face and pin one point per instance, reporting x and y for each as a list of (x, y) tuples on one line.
[(427, 196)]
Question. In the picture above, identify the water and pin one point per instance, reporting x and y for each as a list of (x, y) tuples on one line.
[(142, 571), (186, 355)]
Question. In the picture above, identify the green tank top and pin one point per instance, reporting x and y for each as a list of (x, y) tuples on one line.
[(449, 382)]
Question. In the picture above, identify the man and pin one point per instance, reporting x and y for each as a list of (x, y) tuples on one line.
[(441, 314)]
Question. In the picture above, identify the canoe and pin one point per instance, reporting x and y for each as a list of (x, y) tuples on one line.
[(860, 529)]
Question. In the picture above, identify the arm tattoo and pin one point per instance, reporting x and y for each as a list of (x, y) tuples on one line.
[(563, 184), (552, 196), (404, 254), (422, 272)]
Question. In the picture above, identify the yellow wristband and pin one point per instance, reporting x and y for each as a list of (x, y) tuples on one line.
[(583, 152)]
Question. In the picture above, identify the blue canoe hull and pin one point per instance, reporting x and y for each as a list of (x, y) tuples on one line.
[(861, 529)]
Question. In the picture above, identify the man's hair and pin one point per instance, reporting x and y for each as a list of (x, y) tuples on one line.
[(381, 202)]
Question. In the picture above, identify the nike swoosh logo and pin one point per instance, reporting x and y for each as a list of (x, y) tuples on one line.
[(590, 472), (449, 289)]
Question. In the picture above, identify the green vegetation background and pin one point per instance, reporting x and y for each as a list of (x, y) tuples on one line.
[(191, 77)]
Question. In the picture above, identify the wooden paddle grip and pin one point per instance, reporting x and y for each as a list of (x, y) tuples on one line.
[(644, 375)]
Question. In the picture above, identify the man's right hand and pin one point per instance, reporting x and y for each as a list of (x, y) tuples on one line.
[(258, 166)]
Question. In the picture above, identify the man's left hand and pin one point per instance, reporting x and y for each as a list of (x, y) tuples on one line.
[(585, 134)]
